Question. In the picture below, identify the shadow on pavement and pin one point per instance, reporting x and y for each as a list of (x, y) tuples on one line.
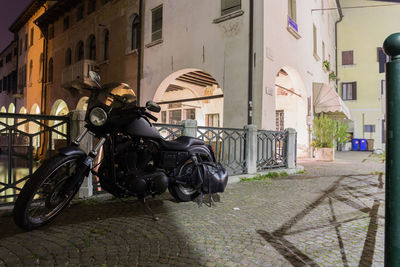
[(336, 192)]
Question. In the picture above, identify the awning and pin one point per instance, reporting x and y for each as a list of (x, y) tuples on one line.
[(326, 100)]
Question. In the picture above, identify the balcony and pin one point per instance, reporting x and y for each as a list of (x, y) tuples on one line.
[(77, 73)]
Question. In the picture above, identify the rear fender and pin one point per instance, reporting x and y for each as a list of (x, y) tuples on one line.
[(70, 150)]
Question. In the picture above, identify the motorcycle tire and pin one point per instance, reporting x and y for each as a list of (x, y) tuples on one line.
[(37, 187), (180, 192)]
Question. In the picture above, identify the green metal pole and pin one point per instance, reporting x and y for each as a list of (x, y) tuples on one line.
[(391, 47)]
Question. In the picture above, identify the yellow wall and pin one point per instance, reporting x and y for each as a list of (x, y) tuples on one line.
[(363, 30)]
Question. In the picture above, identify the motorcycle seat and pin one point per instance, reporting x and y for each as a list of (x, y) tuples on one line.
[(181, 143)]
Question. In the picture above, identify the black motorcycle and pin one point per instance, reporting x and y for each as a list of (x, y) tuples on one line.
[(136, 160)]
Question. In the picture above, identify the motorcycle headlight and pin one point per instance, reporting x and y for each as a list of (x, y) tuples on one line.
[(98, 116)]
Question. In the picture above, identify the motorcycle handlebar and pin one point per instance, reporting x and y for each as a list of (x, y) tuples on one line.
[(150, 116)]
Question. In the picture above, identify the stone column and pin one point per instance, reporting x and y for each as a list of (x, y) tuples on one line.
[(251, 149), (189, 128), (77, 124), (291, 136)]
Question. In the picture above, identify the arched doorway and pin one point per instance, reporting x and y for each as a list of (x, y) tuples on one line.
[(190, 94), (3, 120), (59, 108), (11, 109), (292, 106), (34, 128), (22, 127), (82, 103)]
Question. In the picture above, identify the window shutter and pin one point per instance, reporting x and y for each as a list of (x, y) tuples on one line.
[(381, 60), (347, 58), (354, 88)]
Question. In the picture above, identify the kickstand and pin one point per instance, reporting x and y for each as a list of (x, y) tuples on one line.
[(148, 209)]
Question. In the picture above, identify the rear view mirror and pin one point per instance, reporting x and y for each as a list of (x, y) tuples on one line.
[(95, 77), (152, 106)]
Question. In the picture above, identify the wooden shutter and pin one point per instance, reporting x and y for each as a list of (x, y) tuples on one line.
[(354, 88), (381, 60), (347, 58)]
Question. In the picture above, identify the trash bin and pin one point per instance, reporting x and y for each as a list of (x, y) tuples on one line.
[(370, 144), (363, 144), (356, 144)]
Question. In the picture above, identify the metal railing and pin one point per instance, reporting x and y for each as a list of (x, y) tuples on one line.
[(228, 145), (169, 131), (271, 150), (24, 141)]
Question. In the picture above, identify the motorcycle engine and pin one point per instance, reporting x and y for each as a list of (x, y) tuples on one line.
[(135, 168)]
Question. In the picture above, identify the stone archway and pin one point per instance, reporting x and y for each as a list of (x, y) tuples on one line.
[(292, 106), (82, 103), (190, 94)]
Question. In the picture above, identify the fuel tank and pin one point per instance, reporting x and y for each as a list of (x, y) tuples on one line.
[(142, 128)]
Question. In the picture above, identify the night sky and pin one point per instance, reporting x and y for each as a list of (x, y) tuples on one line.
[(9, 11)]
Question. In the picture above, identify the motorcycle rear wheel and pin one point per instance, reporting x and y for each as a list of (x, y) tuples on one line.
[(42, 198)]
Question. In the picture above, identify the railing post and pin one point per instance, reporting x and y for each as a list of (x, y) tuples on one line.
[(77, 123), (189, 128), (392, 185), (251, 148), (291, 148)]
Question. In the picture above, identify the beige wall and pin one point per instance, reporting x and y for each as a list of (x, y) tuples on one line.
[(122, 63)]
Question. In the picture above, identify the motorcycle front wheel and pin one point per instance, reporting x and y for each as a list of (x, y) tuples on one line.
[(44, 195)]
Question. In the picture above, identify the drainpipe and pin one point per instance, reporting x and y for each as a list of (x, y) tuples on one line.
[(336, 40), (140, 53), (251, 61)]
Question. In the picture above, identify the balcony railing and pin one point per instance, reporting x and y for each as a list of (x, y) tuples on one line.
[(78, 72)]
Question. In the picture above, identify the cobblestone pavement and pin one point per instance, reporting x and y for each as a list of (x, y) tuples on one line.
[(333, 215)]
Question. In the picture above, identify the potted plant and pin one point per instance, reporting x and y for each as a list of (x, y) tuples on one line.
[(326, 132), (332, 76), (341, 134), (326, 65)]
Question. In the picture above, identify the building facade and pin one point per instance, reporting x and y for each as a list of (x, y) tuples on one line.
[(198, 63), (362, 66), (8, 79)]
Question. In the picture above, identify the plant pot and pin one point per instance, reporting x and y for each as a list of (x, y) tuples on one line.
[(324, 153)]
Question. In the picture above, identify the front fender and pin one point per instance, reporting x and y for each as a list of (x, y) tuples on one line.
[(71, 150)]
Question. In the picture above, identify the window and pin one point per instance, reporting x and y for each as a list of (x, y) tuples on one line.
[(347, 57), (15, 51), (135, 32), (91, 47), (68, 57), (175, 116), (41, 67), (349, 91), (190, 114), (383, 88), (32, 33), (66, 23), (229, 6), (79, 52), (91, 6), (315, 48), (51, 31), (384, 131), (26, 42), (20, 47), (1, 85), (8, 57), (1, 63), (163, 117), (292, 10), (50, 78), (369, 128), (24, 75), (280, 120), (382, 59), (30, 71), (156, 23), (212, 120), (79, 13), (106, 41)]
